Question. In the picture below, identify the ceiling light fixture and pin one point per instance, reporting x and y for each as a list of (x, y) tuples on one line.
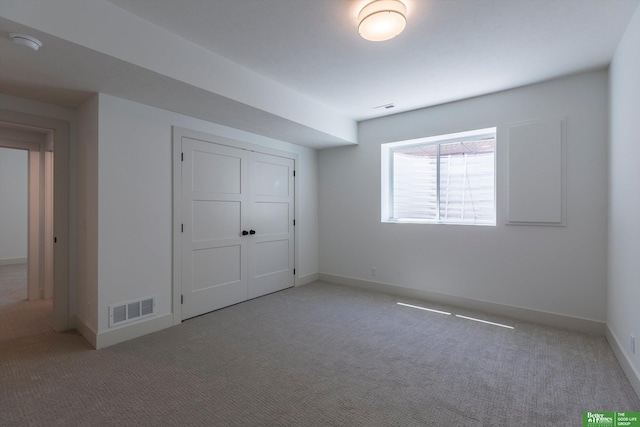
[(25, 40), (382, 20)]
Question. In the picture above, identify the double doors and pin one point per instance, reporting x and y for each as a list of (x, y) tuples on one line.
[(238, 225)]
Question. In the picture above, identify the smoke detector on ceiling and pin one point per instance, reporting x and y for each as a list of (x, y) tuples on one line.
[(25, 40)]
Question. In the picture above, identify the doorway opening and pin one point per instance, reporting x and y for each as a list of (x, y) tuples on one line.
[(42, 262), (14, 203), (26, 230)]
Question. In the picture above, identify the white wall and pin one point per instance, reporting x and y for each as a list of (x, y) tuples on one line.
[(624, 196), (558, 270), (87, 214), (14, 181), (135, 204)]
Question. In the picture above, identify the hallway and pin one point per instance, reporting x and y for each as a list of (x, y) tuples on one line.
[(13, 283), (19, 317)]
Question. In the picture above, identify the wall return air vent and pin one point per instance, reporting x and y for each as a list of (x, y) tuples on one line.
[(131, 311)]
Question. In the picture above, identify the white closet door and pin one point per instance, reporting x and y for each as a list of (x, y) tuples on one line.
[(238, 234), (214, 251), (271, 205)]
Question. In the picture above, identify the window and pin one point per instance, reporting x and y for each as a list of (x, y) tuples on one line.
[(445, 179)]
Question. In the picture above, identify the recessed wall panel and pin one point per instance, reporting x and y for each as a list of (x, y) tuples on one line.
[(535, 175), (216, 173), (271, 257), (271, 179), (215, 219), (270, 218), (215, 267)]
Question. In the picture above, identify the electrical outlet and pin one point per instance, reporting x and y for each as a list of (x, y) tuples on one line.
[(632, 343), (373, 271)]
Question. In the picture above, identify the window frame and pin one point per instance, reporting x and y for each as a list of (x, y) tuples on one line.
[(387, 174)]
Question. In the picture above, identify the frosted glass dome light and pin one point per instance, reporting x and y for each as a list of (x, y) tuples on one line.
[(382, 20)]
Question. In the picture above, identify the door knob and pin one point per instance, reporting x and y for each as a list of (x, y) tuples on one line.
[(245, 232), (252, 232)]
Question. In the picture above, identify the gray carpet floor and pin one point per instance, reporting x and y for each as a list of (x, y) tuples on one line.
[(318, 355)]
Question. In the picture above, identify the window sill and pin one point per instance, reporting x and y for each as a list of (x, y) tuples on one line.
[(436, 222)]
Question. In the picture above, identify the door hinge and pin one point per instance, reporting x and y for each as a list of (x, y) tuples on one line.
[(294, 222), (294, 271), (182, 157), (55, 240), (181, 299), (294, 173), (182, 228)]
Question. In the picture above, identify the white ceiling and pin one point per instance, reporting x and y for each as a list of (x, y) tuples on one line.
[(309, 50), (450, 50)]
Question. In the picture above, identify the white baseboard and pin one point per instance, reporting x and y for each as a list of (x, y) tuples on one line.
[(13, 261), (123, 333), (552, 319), (623, 359), (133, 330), (305, 280)]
